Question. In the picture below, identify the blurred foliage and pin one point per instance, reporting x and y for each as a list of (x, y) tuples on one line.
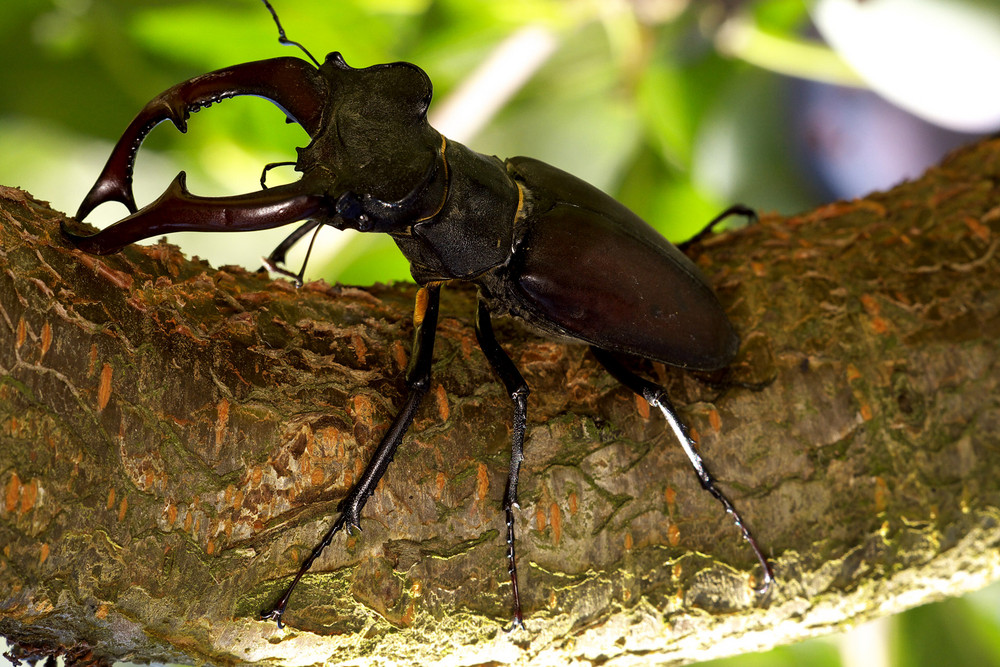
[(635, 98)]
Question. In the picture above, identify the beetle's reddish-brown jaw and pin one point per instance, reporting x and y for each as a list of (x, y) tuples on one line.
[(177, 210), (291, 83)]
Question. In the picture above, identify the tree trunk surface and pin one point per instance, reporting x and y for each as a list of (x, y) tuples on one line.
[(174, 439)]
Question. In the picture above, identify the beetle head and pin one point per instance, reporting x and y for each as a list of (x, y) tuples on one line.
[(374, 139), (370, 142)]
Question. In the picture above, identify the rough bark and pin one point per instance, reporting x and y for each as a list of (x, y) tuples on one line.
[(174, 438)]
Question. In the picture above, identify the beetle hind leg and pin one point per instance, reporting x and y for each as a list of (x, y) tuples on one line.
[(518, 391), (656, 396)]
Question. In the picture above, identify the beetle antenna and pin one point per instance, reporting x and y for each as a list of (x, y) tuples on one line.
[(282, 38)]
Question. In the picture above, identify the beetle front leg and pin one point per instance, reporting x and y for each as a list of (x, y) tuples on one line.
[(418, 379), (656, 396), (518, 391)]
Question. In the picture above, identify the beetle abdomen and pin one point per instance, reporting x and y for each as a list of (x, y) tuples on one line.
[(598, 272)]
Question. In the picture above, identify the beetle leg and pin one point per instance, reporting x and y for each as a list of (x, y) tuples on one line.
[(418, 379), (177, 210), (291, 83), (656, 396), (735, 209), (518, 390), (277, 256)]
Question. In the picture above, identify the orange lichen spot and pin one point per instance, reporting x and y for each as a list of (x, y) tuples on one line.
[(102, 611), (880, 325), (171, 515), (256, 475), (695, 435), (677, 570), (881, 490), (866, 411), (222, 421), (572, 502), (360, 349), (92, 361), (122, 508), (12, 493), (978, 229), (439, 485), (409, 614), (228, 495), (22, 333), (399, 354), (540, 519), (482, 481), (674, 535), (111, 498), (416, 589), (758, 269), (852, 373), (316, 478), (466, 348), (238, 499), (29, 493), (441, 399), (364, 411), (555, 518), (642, 406), (870, 304), (104, 388), (626, 595), (628, 542), (188, 521), (670, 495), (210, 547), (46, 338), (715, 420), (227, 528), (44, 555)]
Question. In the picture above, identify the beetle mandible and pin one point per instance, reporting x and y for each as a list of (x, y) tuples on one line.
[(540, 244)]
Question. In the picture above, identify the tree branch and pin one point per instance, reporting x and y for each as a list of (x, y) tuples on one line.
[(175, 438)]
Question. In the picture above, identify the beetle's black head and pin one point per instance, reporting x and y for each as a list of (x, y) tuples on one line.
[(374, 138), (373, 161)]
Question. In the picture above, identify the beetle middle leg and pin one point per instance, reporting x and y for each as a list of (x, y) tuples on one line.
[(418, 379), (656, 396), (518, 391)]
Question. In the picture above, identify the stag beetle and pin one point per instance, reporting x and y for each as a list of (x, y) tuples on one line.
[(540, 244)]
